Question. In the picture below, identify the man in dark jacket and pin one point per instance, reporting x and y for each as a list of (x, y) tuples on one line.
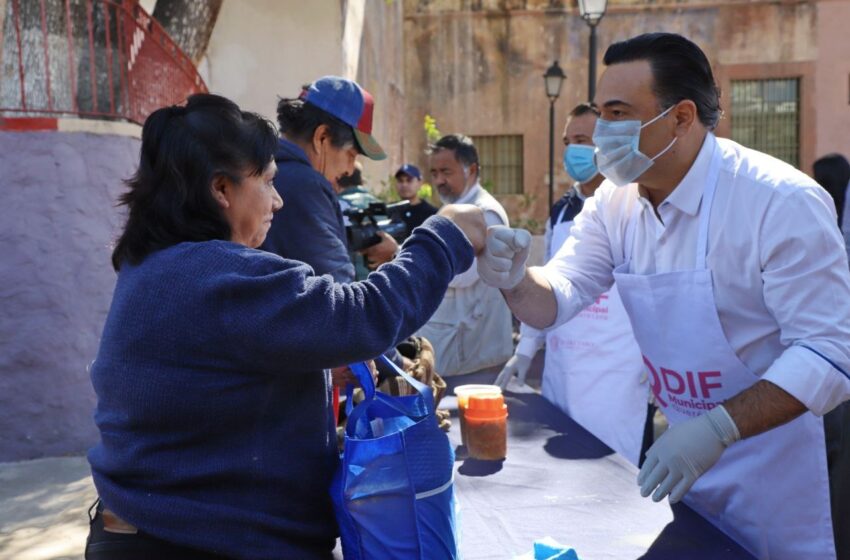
[(323, 131)]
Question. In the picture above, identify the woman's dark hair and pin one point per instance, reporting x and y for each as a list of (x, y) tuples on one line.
[(832, 172), (680, 71), (462, 147), (183, 149), (298, 120)]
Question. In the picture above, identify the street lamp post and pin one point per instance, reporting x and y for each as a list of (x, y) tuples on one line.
[(591, 12), (554, 79)]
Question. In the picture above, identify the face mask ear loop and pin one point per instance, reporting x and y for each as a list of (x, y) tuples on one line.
[(325, 158), (659, 116), (664, 151), (670, 145)]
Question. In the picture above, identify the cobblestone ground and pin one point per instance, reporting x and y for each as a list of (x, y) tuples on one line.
[(43, 506)]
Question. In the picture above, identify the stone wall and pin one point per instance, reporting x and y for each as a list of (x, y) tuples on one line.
[(381, 71), (57, 223), (477, 67)]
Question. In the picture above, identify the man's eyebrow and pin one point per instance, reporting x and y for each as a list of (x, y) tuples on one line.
[(613, 102)]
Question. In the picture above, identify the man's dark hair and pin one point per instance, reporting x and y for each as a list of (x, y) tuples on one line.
[(353, 179), (680, 71), (184, 148), (462, 147), (299, 120), (832, 172), (584, 109)]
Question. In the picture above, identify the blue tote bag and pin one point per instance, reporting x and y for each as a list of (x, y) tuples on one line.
[(393, 494)]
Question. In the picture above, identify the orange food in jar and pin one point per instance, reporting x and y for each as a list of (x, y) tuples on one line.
[(463, 392), (486, 427)]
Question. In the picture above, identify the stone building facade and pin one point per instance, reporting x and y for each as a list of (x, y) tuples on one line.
[(476, 66)]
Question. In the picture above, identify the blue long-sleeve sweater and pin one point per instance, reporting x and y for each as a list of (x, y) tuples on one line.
[(213, 407)]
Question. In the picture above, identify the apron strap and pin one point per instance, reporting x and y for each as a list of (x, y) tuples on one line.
[(560, 215), (707, 201), (631, 226)]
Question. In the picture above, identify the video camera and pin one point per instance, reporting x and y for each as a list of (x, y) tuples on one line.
[(367, 222)]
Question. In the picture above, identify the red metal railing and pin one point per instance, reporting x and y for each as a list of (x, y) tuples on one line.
[(120, 63)]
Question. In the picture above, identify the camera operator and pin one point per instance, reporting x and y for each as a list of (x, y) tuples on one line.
[(352, 195), (351, 189)]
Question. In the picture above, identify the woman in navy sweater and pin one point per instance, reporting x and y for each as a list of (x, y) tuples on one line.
[(212, 377)]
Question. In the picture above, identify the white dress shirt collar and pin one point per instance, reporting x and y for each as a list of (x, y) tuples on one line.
[(577, 190), (687, 195)]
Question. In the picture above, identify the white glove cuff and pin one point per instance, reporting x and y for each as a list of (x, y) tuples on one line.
[(723, 425), (529, 345)]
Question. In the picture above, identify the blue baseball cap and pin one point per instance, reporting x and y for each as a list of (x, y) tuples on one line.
[(351, 104), (409, 169)]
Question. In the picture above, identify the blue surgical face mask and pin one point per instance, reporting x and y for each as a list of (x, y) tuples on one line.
[(617, 154), (578, 161)]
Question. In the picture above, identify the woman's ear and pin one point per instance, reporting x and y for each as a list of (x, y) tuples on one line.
[(220, 190)]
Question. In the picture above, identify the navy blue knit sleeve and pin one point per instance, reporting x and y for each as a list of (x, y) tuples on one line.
[(286, 318)]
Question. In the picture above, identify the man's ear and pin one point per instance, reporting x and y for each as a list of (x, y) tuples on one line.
[(220, 188), (686, 115), (473, 171), (322, 133)]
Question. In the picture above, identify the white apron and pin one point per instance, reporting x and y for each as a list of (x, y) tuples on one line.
[(768, 492), (593, 369)]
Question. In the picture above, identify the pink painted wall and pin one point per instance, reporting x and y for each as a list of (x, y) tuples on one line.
[(832, 78), (57, 222)]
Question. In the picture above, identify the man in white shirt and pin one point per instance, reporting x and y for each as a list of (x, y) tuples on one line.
[(593, 369), (733, 272), (471, 329)]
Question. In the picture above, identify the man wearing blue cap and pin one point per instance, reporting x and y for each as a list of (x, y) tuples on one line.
[(322, 133), (408, 181)]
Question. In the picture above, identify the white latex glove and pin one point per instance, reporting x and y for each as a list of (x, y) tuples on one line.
[(684, 452), (518, 365), (502, 262)]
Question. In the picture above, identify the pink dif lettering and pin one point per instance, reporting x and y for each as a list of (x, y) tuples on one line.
[(704, 385), (654, 382), (668, 374), (690, 376)]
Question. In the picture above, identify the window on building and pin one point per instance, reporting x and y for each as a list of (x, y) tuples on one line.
[(501, 161), (766, 117)]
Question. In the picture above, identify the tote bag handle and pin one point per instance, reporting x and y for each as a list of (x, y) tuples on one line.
[(364, 375)]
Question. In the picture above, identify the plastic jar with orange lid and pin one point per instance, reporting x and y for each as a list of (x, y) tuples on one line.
[(463, 393), (486, 427)]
